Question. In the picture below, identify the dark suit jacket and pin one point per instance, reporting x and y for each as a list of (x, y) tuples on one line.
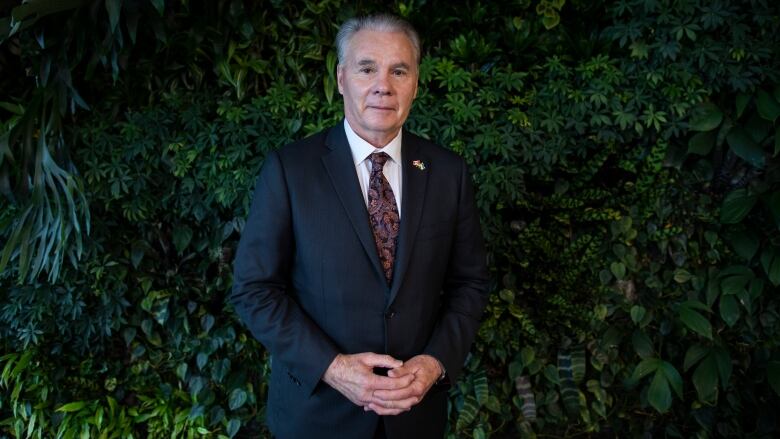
[(309, 285)]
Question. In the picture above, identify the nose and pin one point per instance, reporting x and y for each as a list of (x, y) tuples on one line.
[(382, 86)]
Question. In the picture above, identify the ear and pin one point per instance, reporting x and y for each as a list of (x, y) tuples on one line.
[(340, 78)]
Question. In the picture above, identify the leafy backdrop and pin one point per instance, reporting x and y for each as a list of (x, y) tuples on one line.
[(625, 156)]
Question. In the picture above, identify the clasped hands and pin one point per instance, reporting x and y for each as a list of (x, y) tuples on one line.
[(404, 386)]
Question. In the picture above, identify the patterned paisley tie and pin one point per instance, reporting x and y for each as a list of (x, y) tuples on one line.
[(383, 213)]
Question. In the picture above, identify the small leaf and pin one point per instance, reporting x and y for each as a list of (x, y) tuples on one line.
[(768, 108), (707, 117), (237, 398), (736, 206), (729, 309), (72, 407), (658, 395), (233, 426), (618, 269), (182, 236), (745, 147), (745, 243), (638, 313), (695, 322)]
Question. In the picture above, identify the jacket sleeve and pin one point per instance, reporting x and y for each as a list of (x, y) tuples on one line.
[(466, 286), (262, 276)]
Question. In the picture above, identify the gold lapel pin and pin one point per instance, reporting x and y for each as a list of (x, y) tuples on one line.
[(419, 164)]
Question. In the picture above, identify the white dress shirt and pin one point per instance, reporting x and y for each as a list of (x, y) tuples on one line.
[(361, 150)]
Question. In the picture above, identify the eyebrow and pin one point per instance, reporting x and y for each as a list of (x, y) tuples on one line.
[(372, 63)]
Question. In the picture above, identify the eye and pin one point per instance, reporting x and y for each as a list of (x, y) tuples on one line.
[(399, 72), (366, 70)]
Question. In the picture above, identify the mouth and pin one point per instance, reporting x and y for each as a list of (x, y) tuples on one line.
[(381, 108)]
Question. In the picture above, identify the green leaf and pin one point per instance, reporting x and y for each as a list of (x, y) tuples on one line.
[(774, 272), (705, 379), (618, 269), (645, 367), (773, 375), (578, 364), (236, 399), (467, 413), (702, 143), (182, 236), (160, 6), (658, 395), (768, 107), (729, 309), (527, 355), (481, 388), (745, 243), (777, 142), (742, 101), (745, 147), (723, 360), (233, 426), (707, 117), (695, 321), (569, 393), (673, 377), (736, 206), (113, 7), (72, 407), (693, 355), (642, 344), (523, 386), (637, 313), (681, 276)]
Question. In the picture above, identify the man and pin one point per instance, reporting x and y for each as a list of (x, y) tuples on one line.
[(361, 267)]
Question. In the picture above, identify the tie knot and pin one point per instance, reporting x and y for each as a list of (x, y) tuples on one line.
[(378, 160)]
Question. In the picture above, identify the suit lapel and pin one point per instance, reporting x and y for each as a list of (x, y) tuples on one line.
[(341, 170), (415, 181)]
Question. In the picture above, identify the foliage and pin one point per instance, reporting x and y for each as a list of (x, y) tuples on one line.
[(626, 162)]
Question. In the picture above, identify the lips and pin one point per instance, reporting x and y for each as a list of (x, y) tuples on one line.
[(381, 108)]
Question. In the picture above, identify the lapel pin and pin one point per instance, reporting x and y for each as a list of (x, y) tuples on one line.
[(419, 164)]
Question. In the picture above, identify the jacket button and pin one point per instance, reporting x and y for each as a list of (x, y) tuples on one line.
[(390, 314)]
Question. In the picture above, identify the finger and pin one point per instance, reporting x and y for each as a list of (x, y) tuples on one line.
[(395, 395), (403, 405), (377, 382), (378, 360), (398, 371)]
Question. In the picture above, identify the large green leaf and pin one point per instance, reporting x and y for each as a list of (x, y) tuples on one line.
[(706, 117), (737, 205), (705, 379), (523, 386), (729, 309), (745, 147), (673, 377), (642, 344), (768, 107), (694, 354), (237, 398), (702, 143), (658, 395), (745, 243), (695, 321)]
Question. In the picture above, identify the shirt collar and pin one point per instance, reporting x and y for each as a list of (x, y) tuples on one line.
[(362, 149)]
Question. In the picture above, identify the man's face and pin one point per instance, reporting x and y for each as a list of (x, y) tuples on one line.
[(378, 80)]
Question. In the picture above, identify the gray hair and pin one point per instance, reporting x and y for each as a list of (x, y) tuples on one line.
[(379, 23)]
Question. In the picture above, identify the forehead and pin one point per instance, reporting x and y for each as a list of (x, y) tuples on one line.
[(379, 46)]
